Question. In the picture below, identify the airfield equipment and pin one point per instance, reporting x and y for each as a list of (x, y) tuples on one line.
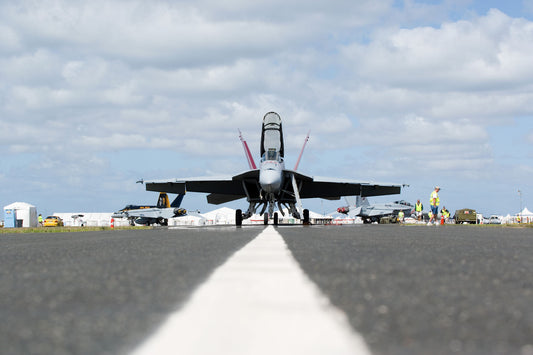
[(465, 215)]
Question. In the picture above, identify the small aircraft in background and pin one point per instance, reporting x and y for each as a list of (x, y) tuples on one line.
[(374, 212), (271, 185), (159, 213)]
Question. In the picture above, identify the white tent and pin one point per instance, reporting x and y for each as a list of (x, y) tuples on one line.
[(23, 214), (526, 213), (187, 220), (222, 215), (89, 219)]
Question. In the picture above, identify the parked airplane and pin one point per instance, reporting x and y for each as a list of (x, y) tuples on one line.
[(271, 185), (159, 213), (373, 213)]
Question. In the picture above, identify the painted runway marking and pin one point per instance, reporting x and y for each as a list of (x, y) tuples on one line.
[(258, 302)]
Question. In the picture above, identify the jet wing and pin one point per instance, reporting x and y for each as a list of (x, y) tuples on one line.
[(246, 184), (220, 189), (333, 189)]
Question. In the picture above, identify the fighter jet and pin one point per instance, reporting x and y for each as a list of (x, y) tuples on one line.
[(373, 213), (271, 185), (159, 213)]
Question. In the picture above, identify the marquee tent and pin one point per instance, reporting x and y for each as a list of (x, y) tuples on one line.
[(526, 213)]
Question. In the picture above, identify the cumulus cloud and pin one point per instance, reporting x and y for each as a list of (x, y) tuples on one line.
[(173, 76), (489, 53)]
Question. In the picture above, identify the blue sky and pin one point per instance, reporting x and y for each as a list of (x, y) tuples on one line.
[(96, 95)]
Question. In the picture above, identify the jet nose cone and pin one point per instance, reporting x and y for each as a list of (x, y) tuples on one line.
[(270, 180)]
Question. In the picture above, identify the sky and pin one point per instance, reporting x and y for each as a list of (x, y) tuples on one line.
[(96, 95)]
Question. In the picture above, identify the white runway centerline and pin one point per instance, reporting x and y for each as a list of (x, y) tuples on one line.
[(258, 302)]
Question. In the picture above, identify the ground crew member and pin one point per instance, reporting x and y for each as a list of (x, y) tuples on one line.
[(401, 216), (445, 213), (434, 201), (40, 219), (418, 209)]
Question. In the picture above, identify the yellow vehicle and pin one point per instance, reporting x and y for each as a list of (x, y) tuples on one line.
[(53, 221)]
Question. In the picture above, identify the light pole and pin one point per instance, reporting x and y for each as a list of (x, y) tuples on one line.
[(520, 212)]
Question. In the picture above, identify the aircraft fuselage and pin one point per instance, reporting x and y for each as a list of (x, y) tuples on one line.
[(271, 175), (272, 164)]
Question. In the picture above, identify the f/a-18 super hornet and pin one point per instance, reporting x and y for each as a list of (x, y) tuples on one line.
[(374, 212), (271, 185), (159, 213)]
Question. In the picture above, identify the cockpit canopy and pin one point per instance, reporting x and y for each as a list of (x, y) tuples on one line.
[(271, 154), (272, 135)]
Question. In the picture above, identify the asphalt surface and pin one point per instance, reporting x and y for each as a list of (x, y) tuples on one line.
[(406, 289), (101, 292)]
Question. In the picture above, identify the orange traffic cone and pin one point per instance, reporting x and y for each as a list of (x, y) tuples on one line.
[(441, 220)]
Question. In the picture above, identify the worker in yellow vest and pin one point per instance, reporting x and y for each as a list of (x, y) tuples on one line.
[(401, 216), (418, 210), (445, 213), (434, 202), (40, 219)]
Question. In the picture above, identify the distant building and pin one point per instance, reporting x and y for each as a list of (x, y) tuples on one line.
[(20, 214)]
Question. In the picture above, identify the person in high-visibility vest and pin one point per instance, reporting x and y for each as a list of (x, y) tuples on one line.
[(40, 219), (418, 209), (445, 213), (401, 217), (434, 202)]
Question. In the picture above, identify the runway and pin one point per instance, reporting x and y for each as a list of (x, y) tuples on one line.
[(386, 289)]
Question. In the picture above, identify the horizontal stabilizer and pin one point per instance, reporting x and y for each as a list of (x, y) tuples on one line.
[(217, 199), (355, 211)]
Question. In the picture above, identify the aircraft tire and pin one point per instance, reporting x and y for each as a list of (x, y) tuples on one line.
[(275, 218), (306, 220), (238, 218), (265, 219)]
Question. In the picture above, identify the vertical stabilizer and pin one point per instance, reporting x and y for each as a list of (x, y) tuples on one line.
[(177, 201), (163, 201), (302, 151), (361, 201), (251, 162)]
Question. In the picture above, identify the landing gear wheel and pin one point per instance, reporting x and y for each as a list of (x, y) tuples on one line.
[(238, 218), (275, 218), (306, 217), (265, 221)]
